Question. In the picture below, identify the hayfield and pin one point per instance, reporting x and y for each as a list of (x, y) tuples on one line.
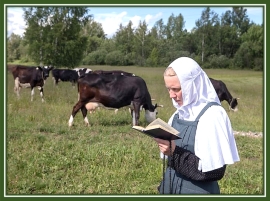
[(45, 156)]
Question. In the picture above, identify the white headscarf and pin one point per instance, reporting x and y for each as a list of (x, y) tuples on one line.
[(219, 147), (197, 89)]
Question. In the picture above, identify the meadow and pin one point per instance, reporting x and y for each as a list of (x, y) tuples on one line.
[(46, 157)]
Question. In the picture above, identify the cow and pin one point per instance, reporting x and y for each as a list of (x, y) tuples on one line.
[(82, 71), (65, 75), (113, 72), (224, 94), (30, 77), (91, 107), (114, 91)]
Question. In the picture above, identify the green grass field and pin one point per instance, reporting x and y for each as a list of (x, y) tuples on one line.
[(45, 156)]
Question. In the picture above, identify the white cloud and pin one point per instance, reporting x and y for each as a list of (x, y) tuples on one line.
[(15, 22), (111, 21), (150, 19), (135, 21)]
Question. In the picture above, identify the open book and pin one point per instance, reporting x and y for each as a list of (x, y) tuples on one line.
[(159, 129)]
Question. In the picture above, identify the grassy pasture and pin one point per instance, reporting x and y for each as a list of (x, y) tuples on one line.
[(44, 156)]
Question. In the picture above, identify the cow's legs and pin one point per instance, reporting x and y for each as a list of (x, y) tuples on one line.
[(32, 93), (76, 108), (41, 93), (73, 83), (136, 114), (56, 81), (84, 113), (133, 117), (17, 87)]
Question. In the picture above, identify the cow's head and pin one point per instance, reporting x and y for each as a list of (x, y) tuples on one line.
[(233, 104), (82, 72), (151, 113), (45, 71)]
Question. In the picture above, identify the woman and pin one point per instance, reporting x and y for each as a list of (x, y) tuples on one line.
[(198, 160)]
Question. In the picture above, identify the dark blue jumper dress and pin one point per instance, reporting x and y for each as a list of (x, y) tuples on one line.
[(180, 183)]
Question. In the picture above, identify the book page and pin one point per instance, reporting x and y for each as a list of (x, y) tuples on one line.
[(140, 128), (161, 133), (162, 123), (157, 131)]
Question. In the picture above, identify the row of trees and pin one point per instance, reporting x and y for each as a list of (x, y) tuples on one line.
[(68, 36)]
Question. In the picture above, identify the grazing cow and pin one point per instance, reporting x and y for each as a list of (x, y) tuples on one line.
[(114, 91), (65, 75), (91, 107), (224, 94), (30, 77)]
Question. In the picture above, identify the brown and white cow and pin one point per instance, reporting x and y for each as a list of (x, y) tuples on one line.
[(30, 77), (114, 91), (224, 94)]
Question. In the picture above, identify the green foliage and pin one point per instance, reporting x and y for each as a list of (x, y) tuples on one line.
[(45, 157), (251, 50), (115, 58), (53, 34), (243, 57), (95, 58), (153, 58), (93, 44), (216, 62), (68, 36), (13, 47)]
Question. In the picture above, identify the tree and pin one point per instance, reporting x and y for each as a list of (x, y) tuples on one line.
[(54, 34), (229, 41), (124, 39), (13, 47), (95, 36), (205, 29), (93, 28), (250, 53), (240, 19), (153, 58), (140, 35), (160, 29)]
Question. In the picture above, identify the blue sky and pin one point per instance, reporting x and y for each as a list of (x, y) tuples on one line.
[(111, 17)]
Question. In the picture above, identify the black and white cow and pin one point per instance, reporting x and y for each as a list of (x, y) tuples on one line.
[(91, 107), (114, 91), (113, 72), (82, 71), (65, 75), (224, 94), (30, 77)]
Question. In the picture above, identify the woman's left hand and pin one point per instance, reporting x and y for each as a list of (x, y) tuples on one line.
[(164, 146)]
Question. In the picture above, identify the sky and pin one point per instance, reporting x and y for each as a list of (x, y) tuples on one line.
[(111, 17)]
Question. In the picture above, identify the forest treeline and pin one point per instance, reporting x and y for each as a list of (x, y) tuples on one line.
[(69, 37)]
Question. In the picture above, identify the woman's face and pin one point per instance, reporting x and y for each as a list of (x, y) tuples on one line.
[(174, 88)]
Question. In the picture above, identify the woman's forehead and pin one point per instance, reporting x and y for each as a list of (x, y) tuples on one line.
[(172, 81)]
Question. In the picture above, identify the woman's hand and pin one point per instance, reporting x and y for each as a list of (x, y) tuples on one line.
[(164, 146)]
